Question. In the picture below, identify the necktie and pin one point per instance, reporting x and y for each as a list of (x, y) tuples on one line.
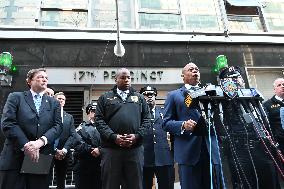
[(123, 95), (37, 101), (153, 114)]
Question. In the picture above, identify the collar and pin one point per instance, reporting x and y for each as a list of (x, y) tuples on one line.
[(188, 86), (34, 93), (120, 91), (278, 98)]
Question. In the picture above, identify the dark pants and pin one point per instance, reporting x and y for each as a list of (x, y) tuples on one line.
[(61, 167), (243, 174), (122, 167), (12, 179), (88, 174), (198, 176), (164, 174)]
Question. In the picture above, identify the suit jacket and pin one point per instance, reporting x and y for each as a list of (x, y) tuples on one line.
[(68, 133), (187, 145), (21, 123), (156, 148)]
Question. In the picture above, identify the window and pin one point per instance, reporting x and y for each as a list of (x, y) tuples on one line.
[(159, 14), (201, 15), (64, 13), (274, 12), (244, 16), (103, 14), (18, 12)]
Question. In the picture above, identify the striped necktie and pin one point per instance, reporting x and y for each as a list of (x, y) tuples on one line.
[(37, 101)]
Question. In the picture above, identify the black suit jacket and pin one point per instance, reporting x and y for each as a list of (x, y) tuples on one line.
[(21, 123), (68, 132)]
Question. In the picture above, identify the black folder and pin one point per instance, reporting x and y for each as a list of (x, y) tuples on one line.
[(41, 167)]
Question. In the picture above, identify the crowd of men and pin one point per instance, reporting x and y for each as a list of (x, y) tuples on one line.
[(128, 140)]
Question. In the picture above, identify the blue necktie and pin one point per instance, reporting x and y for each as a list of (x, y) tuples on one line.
[(37, 101)]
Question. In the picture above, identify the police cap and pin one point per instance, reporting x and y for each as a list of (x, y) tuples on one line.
[(91, 106), (148, 90), (230, 72)]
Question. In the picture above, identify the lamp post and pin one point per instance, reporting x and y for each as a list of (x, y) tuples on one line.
[(119, 49)]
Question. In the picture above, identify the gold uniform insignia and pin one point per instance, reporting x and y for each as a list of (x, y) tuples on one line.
[(134, 98), (187, 100)]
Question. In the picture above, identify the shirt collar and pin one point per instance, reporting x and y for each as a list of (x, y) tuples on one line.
[(34, 93), (188, 86), (120, 91), (278, 98)]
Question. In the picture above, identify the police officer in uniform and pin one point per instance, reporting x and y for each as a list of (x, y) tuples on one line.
[(250, 164), (87, 153), (158, 159)]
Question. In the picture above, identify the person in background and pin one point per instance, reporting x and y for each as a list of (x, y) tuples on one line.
[(49, 92), (87, 153), (31, 122), (250, 164), (63, 144), (282, 117), (272, 107), (182, 119), (122, 115), (158, 159)]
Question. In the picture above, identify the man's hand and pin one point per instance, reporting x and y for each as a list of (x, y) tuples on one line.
[(95, 152), (60, 154), (130, 139), (189, 125), (120, 140), (32, 149)]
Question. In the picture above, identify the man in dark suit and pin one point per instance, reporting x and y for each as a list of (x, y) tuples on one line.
[(191, 145), (121, 118), (158, 158), (272, 107), (31, 122), (63, 144)]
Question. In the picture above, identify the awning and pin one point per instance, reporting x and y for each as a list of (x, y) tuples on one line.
[(245, 3)]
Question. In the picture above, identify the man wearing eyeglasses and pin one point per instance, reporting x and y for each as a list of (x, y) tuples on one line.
[(31, 122), (158, 158)]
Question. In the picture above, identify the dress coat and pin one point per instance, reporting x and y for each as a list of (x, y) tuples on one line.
[(187, 144), (156, 148), (21, 123), (67, 136)]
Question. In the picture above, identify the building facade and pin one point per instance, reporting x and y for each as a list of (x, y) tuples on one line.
[(74, 40)]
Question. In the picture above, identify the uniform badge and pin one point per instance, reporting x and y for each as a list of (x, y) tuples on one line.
[(230, 87), (134, 98), (187, 100)]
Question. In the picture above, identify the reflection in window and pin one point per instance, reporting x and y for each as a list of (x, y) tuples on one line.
[(274, 12), (64, 19), (103, 14), (201, 15), (244, 18), (159, 14), (18, 12), (64, 13), (169, 6), (159, 21)]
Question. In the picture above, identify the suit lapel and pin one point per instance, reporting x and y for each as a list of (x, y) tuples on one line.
[(30, 101), (44, 104), (157, 114)]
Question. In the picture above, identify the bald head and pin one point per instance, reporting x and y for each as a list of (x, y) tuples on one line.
[(190, 74), (123, 79), (279, 87)]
